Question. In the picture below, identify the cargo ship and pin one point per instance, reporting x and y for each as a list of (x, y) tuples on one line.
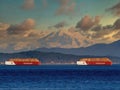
[(23, 61), (94, 61)]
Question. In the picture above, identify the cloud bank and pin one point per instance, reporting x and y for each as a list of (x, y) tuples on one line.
[(23, 36), (21, 28), (88, 22)]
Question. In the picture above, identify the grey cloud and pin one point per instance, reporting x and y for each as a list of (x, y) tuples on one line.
[(108, 27), (117, 24), (105, 35), (115, 9), (110, 30), (97, 28), (28, 4), (21, 28), (88, 22), (60, 25), (100, 27), (66, 7)]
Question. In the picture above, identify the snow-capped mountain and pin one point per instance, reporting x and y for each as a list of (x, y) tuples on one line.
[(64, 39)]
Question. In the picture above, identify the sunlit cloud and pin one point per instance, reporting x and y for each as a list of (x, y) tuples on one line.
[(3, 26), (21, 28)]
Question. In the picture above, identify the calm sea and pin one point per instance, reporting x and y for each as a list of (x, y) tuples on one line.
[(60, 77)]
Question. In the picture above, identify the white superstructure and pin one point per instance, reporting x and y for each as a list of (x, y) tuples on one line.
[(9, 63), (81, 63)]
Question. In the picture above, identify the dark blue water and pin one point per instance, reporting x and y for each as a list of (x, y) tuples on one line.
[(60, 77)]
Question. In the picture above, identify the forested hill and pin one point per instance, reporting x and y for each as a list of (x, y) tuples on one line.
[(50, 58)]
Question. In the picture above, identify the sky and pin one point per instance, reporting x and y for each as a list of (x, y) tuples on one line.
[(18, 18), (47, 12)]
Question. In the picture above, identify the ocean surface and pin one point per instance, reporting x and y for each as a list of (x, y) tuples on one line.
[(60, 77)]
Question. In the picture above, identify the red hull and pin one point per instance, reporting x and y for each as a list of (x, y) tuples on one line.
[(24, 61), (98, 63), (27, 63)]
